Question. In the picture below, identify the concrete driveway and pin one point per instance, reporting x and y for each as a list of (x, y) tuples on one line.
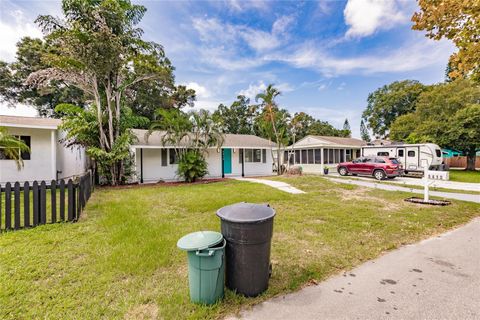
[(438, 278), (455, 185)]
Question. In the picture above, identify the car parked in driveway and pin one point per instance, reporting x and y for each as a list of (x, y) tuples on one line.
[(378, 167)]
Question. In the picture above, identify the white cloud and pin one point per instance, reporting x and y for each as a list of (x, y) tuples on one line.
[(12, 30), (415, 54), (223, 44), (254, 89), (207, 104), (201, 91), (242, 5), (364, 17)]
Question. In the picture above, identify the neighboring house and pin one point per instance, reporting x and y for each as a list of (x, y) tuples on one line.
[(240, 155), (449, 153), (48, 158), (379, 142), (313, 153)]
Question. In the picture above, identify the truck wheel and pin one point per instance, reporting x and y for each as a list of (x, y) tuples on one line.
[(343, 171), (379, 174)]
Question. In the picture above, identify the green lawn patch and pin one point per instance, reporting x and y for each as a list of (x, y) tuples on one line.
[(121, 260), (465, 176)]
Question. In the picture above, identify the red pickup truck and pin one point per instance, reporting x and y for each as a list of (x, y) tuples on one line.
[(378, 167)]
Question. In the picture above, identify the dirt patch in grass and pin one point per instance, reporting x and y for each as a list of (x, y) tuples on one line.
[(147, 311), (365, 194)]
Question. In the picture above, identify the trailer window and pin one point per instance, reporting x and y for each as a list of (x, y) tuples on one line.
[(438, 152), (411, 153), (383, 154), (400, 153)]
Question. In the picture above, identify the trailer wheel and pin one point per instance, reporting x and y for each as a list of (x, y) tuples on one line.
[(379, 174)]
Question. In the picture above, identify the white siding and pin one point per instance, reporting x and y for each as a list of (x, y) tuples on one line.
[(70, 161), (39, 167), (44, 162), (153, 171)]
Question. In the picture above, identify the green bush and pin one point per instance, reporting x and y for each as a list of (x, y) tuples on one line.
[(192, 166)]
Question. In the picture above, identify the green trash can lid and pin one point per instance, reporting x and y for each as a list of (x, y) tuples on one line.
[(199, 240), (245, 212)]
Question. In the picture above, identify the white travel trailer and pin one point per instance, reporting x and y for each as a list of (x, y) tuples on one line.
[(411, 156)]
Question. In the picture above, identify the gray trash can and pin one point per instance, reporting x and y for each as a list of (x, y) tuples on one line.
[(248, 229)]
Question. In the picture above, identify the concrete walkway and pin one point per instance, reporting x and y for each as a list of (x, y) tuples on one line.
[(438, 278), (274, 184), (446, 195), (466, 186)]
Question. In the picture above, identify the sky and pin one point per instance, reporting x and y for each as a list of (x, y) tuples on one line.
[(324, 56)]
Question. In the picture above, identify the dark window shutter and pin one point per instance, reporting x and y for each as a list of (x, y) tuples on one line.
[(264, 155), (164, 157)]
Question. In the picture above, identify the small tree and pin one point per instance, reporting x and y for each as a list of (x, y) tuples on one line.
[(346, 128), (11, 147), (191, 135), (364, 132), (274, 122)]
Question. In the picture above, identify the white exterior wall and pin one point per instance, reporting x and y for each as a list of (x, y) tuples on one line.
[(153, 171), (252, 168), (39, 167), (71, 161), (47, 155)]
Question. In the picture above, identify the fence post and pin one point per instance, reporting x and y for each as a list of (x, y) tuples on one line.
[(16, 197), (43, 202), (53, 194), (8, 206), (71, 197), (36, 202), (62, 200), (26, 204)]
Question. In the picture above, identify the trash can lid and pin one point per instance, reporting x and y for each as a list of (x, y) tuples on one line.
[(199, 240), (246, 212)]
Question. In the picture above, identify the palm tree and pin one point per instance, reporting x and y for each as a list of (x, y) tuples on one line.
[(12, 147), (270, 110)]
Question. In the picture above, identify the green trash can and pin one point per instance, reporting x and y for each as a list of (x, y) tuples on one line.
[(206, 265)]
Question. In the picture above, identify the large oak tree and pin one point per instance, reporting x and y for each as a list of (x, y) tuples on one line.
[(98, 48)]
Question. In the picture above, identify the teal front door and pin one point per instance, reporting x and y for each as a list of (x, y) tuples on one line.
[(227, 161)]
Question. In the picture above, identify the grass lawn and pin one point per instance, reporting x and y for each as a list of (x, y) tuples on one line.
[(121, 260), (465, 176)]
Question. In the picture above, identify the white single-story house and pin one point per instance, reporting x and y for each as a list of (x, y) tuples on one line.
[(240, 155), (48, 159), (314, 153)]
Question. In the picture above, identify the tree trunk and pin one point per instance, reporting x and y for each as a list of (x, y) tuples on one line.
[(471, 157)]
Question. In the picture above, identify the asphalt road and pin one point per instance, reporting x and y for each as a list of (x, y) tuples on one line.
[(438, 278)]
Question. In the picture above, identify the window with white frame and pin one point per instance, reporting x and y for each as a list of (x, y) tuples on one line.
[(253, 155)]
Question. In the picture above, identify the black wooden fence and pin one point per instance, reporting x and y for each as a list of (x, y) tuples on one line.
[(43, 203)]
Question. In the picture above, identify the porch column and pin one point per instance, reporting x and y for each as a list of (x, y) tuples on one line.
[(53, 155), (321, 161), (243, 161), (141, 165), (223, 167)]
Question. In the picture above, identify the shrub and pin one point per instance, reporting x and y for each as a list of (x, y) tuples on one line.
[(192, 166)]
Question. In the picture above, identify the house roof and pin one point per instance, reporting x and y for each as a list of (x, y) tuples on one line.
[(29, 122), (231, 140), (327, 141)]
